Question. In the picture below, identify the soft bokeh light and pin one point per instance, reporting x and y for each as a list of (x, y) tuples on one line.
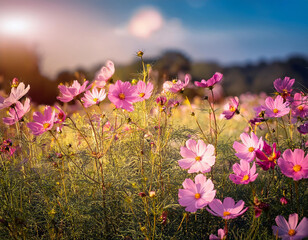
[(16, 25), (145, 22)]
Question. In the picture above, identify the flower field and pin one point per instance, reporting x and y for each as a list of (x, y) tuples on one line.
[(125, 160)]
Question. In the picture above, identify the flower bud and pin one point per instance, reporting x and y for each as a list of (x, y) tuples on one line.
[(142, 194), (15, 83), (152, 194), (140, 53), (283, 201)]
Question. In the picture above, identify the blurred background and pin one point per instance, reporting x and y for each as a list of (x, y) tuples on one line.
[(44, 43)]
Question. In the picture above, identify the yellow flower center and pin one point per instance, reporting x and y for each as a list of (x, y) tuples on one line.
[(141, 94), (272, 157), (297, 168), (275, 110), (174, 81), (197, 196), (291, 232), (46, 125), (122, 96), (300, 108), (245, 178), (251, 149), (95, 99), (197, 158), (232, 109), (226, 213)]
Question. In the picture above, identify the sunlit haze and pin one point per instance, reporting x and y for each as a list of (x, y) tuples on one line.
[(70, 34)]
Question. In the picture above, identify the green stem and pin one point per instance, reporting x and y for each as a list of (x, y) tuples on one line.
[(83, 136), (91, 123)]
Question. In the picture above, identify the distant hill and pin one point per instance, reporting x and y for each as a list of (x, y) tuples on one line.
[(17, 60)]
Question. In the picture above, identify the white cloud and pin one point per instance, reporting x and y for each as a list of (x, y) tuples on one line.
[(145, 22)]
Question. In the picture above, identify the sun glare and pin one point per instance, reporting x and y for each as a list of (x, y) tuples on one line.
[(15, 26)]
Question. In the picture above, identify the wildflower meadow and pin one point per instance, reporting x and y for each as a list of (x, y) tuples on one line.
[(129, 160)]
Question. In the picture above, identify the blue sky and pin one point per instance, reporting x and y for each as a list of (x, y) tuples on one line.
[(75, 33)]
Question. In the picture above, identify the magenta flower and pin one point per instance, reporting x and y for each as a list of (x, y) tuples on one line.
[(104, 74), (16, 113), (268, 157), (7, 147), (303, 129), (284, 87), (243, 173), (228, 209), (259, 207), (15, 95), (144, 90), (221, 235), (217, 77), (276, 108), (299, 106), (230, 108), (161, 100), (294, 164), (283, 201), (197, 157), (60, 115), (176, 86), (42, 123), (67, 94), (123, 95), (94, 97), (247, 150), (289, 230), (196, 195)]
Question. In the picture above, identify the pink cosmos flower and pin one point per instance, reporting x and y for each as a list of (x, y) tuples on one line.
[(93, 97), (243, 173), (299, 106), (60, 115), (42, 123), (284, 87), (197, 157), (217, 77), (276, 108), (16, 113), (15, 95), (228, 209), (176, 86), (260, 111), (230, 108), (294, 164), (67, 94), (104, 74), (196, 195), (144, 90), (221, 235), (123, 95), (289, 230), (268, 157), (173, 103), (247, 150)]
